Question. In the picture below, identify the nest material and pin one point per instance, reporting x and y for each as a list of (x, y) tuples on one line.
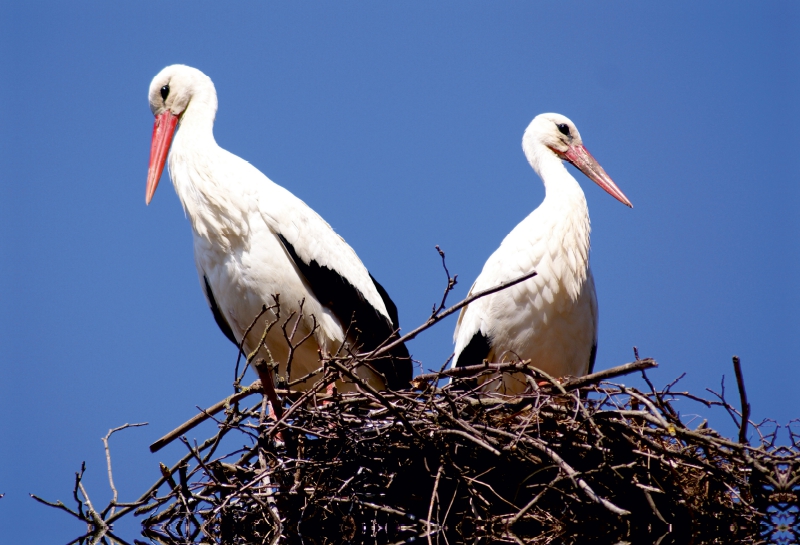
[(576, 462)]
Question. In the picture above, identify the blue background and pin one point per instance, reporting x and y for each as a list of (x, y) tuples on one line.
[(401, 125)]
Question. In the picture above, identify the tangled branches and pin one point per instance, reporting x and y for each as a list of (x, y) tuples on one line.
[(587, 460), (576, 461)]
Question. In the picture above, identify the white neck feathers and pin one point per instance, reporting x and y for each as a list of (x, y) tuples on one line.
[(566, 217), (205, 175)]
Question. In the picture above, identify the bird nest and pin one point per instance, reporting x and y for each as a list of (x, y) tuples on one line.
[(576, 460), (572, 461)]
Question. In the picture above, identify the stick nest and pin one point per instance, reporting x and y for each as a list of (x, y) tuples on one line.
[(584, 460), (578, 461)]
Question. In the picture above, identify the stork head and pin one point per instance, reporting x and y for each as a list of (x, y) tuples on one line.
[(172, 91), (554, 134)]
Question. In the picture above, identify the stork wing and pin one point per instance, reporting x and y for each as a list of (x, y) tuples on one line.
[(218, 317), (479, 345), (339, 281)]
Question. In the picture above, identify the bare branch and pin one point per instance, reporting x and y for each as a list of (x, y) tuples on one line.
[(442, 315), (737, 368), (112, 431)]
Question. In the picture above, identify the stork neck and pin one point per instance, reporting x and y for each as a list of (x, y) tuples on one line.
[(559, 184), (197, 121), (201, 173), (564, 210)]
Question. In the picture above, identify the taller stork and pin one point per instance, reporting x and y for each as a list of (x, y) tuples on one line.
[(550, 319), (253, 239)]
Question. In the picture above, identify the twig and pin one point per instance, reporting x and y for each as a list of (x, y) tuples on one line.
[(150, 491), (58, 505), (455, 308), (451, 283), (470, 437), (290, 339), (737, 368), (254, 388), (113, 502), (594, 378), (436, 483), (240, 352)]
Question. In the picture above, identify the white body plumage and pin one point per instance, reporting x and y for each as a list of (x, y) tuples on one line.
[(253, 239), (550, 319)]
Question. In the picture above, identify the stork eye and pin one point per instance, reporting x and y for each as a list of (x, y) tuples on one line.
[(562, 127), (165, 92)]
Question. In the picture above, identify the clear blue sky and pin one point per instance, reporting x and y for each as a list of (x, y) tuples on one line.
[(401, 125)]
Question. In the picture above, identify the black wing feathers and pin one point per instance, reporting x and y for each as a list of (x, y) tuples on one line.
[(218, 317), (592, 357), (391, 308), (475, 352), (348, 304)]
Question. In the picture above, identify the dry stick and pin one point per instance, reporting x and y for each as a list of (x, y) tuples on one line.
[(571, 384), (264, 309), (290, 339), (435, 484), (737, 368), (97, 520), (665, 407), (113, 503), (458, 306), (267, 328), (199, 459), (178, 490), (78, 477), (254, 388), (58, 505), (472, 438), (652, 503), (231, 423), (451, 283), (469, 370), (527, 507), (158, 483), (91, 517), (579, 382), (99, 539), (468, 431), (714, 442), (94, 538), (733, 413), (305, 377)]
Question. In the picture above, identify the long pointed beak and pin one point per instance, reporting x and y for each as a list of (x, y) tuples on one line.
[(583, 160), (163, 131)]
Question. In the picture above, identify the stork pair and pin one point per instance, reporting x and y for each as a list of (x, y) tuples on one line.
[(254, 240)]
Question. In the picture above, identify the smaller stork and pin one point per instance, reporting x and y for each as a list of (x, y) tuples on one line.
[(550, 319)]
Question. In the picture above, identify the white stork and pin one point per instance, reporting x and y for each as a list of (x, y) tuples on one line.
[(550, 319), (254, 239)]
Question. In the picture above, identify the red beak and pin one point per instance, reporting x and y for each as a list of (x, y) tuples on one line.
[(583, 160), (163, 131)]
